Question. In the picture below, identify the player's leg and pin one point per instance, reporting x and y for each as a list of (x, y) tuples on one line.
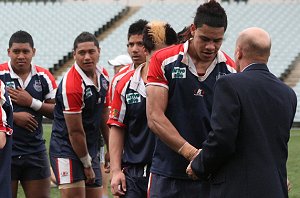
[(72, 190), (36, 176), (105, 176), (37, 188), (95, 190), (14, 188)]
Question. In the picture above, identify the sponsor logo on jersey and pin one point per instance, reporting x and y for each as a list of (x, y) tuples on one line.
[(133, 98), (37, 85), (11, 84), (198, 92), (88, 92), (178, 72)]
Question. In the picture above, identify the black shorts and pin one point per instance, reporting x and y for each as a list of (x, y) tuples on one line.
[(30, 167), (136, 181), (69, 171)]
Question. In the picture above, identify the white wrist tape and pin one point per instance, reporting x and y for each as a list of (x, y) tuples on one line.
[(36, 104), (86, 161)]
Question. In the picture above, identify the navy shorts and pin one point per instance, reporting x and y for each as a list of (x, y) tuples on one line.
[(69, 171), (30, 167), (166, 187), (136, 181)]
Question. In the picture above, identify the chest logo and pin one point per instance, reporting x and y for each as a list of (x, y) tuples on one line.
[(178, 72), (37, 85), (133, 98), (199, 92), (88, 92), (219, 75), (11, 84)]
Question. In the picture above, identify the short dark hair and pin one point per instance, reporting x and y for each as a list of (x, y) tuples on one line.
[(85, 37), (136, 28), (211, 14), (158, 32), (21, 37)]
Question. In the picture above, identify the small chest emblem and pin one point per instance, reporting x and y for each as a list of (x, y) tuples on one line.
[(37, 85), (11, 84)]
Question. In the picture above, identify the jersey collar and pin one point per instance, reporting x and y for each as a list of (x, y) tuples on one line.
[(86, 79), (137, 84)]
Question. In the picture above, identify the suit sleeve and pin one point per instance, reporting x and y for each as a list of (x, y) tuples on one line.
[(220, 144)]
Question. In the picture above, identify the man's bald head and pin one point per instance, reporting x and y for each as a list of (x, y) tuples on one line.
[(253, 46)]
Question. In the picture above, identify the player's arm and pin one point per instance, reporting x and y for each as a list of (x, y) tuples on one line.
[(2, 140), (78, 141), (116, 145), (22, 98), (161, 125)]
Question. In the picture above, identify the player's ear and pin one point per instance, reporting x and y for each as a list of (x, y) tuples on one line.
[(193, 29)]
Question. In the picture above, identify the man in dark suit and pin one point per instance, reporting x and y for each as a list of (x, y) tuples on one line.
[(246, 152)]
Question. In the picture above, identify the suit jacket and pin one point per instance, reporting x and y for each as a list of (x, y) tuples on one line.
[(246, 152)]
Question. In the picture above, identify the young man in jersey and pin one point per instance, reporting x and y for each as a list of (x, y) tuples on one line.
[(80, 114), (32, 91), (182, 79), (6, 122), (135, 50), (131, 141)]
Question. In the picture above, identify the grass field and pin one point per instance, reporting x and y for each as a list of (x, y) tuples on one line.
[(293, 163)]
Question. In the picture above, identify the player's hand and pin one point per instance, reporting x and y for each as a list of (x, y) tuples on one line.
[(118, 183), (26, 121), (107, 163), (189, 171), (90, 175), (20, 96)]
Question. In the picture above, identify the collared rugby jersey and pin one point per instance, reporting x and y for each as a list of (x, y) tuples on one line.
[(123, 71), (189, 102), (6, 122), (128, 111), (77, 93), (41, 85)]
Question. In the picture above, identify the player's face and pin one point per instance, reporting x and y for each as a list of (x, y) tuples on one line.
[(21, 55), (135, 49), (207, 41), (87, 56)]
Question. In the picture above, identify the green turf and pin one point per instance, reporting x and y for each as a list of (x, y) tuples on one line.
[(293, 163)]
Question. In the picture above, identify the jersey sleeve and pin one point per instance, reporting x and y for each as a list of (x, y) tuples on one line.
[(50, 80), (72, 95), (155, 74), (118, 106), (4, 127)]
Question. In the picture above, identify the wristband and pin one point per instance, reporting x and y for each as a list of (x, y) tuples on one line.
[(86, 161), (187, 151), (36, 104)]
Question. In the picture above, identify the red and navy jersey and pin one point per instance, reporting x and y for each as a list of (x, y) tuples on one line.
[(128, 111), (123, 71), (6, 121), (190, 99), (41, 85), (77, 93)]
